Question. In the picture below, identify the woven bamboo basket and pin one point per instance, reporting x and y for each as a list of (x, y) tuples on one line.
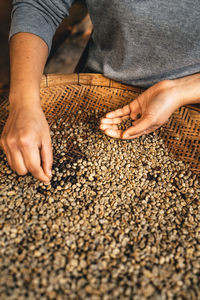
[(63, 95)]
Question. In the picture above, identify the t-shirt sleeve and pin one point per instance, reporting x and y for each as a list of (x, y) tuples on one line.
[(39, 17)]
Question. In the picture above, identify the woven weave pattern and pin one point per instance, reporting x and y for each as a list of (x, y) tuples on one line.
[(64, 95)]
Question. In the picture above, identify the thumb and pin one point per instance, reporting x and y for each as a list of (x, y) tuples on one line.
[(140, 127), (47, 157), (135, 108), (1, 144)]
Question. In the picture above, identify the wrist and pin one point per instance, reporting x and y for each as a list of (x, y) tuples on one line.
[(25, 101), (24, 97), (187, 89), (170, 89)]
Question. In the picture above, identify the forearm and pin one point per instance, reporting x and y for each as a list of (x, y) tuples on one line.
[(28, 55), (187, 89), (33, 25)]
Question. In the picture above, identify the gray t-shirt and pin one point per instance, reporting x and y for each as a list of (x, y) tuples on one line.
[(138, 42)]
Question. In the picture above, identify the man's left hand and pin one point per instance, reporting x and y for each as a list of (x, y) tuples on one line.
[(155, 106)]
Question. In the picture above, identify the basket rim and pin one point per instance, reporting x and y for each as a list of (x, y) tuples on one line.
[(90, 79)]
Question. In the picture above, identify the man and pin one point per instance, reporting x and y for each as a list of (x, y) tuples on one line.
[(149, 43)]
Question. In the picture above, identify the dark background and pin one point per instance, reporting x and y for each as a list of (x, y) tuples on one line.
[(5, 8), (68, 44)]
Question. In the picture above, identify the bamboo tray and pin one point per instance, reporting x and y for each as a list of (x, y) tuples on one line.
[(63, 95)]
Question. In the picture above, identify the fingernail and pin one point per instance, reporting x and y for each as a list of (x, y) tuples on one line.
[(112, 133), (125, 136), (46, 182), (50, 173), (108, 115), (109, 131)]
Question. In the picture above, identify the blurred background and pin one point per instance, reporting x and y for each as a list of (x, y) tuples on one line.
[(68, 44)]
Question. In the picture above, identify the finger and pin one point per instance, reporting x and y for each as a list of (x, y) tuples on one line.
[(119, 112), (8, 156), (115, 133), (114, 121), (107, 126), (9, 159), (135, 109), (18, 163), (31, 156), (147, 131), (47, 157), (5, 148), (139, 126)]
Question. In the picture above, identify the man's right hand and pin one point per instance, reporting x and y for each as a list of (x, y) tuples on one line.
[(26, 141)]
